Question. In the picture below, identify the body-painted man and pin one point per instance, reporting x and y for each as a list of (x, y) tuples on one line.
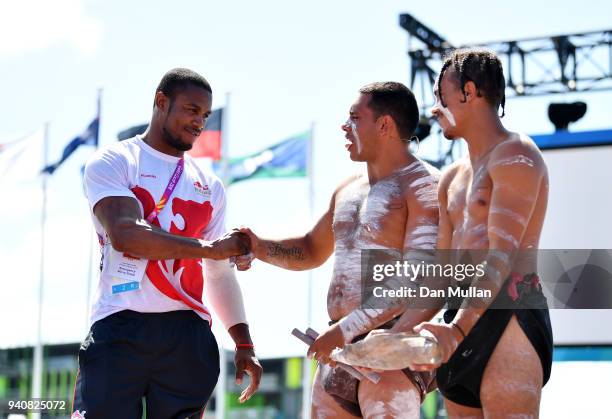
[(494, 361), (392, 206)]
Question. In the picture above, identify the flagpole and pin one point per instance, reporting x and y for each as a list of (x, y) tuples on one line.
[(37, 364), (306, 371), (225, 144), (222, 382), (92, 231)]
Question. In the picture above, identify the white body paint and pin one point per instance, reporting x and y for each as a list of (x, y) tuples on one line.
[(509, 213), (503, 257), (351, 327), (502, 234), (403, 405), (492, 273), (518, 159), (360, 217)]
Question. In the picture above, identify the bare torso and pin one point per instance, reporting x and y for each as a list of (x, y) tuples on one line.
[(469, 193), (375, 217), (499, 203)]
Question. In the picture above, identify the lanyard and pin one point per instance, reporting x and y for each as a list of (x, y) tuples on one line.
[(178, 171)]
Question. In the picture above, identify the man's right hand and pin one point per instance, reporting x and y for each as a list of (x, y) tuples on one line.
[(243, 262), (253, 239), (231, 244)]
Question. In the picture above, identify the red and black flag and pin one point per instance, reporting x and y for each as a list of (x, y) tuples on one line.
[(208, 143)]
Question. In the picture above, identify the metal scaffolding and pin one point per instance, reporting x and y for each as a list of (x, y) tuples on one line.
[(568, 63)]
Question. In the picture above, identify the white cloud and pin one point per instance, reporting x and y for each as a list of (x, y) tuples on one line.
[(29, 25)]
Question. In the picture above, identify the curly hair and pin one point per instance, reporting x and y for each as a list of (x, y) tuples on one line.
[(483, 68)]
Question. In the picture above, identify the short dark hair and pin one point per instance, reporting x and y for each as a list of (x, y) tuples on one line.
[(178, 79), (483, 68), (396, 100)]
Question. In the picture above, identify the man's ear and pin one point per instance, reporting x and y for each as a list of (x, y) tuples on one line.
[(161, 101), (471, 92), (386, 125)]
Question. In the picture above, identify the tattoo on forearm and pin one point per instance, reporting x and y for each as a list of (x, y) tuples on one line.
[(294, 253)]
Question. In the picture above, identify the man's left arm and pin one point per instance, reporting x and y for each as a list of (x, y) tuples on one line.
[(223, 292), (517, 172), (420, 235)]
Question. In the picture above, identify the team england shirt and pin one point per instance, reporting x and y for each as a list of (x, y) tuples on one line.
[(196, 208)]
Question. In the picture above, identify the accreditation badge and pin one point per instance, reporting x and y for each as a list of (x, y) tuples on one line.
[(127, 271)]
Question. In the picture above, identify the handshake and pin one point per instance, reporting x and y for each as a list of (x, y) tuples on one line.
[(238, 245)]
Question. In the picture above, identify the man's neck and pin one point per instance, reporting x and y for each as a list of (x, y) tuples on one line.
[(484, 135), (153, 137), (388, 162)]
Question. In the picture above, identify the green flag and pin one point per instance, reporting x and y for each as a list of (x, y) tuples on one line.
[(286, 159)]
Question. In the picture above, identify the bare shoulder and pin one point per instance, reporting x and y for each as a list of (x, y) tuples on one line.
[(449, 173), (418, 183), (418, 176), (351, 180), (346, 184), (519, 151), (432, 171)]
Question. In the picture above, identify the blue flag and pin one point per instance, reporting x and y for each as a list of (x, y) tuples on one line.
[(87, 137), (285, 159)]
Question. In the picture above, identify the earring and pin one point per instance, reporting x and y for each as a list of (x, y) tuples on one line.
[(413, 139)]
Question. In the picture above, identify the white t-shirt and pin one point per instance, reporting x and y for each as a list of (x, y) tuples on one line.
[(196, 208)]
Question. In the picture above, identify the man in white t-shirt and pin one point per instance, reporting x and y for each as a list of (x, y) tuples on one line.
[(160, 221)]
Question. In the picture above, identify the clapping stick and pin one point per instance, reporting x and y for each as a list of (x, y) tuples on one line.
[(309, 337)]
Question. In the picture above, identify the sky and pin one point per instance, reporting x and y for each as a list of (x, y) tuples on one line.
[(280, 67)]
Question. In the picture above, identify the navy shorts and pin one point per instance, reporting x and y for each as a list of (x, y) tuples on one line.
[(169, 359)]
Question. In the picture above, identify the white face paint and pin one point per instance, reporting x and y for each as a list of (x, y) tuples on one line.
[(448, 115), (443, 109), (356, 138)]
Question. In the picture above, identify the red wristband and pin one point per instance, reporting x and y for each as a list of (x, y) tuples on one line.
[(245, 346)]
